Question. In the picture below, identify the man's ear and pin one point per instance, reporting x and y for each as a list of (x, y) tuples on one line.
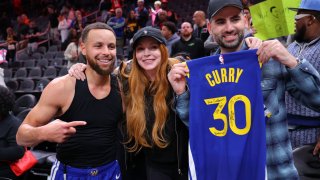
[(246, 22), (312, 20), (83, 49), (209, 27)]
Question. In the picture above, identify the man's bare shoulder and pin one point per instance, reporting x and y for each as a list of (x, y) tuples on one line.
[(63, 82), (59, 89)]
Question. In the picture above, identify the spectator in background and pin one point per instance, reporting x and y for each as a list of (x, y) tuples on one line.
[(11, 40), (155, 11), (104, 8), (73, 34), (65, 9), (130, 30), (250, 29), (78, 23), (53, 19), (64, 26), (5, 23), (305, 121), (131, 25), (116, 4), (169, 32), (32, 35), (73, 51), (164, 5), (9, 124), (160, 19), (188, 43), (25, 19), (172, 16), (142, 14), (118, 23), (200, 26), (72, 14), (21, 27)]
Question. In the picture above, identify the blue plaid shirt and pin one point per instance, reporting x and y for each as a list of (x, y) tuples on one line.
[(303, 83)]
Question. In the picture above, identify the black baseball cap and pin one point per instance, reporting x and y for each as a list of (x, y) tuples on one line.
[(216, 5), (148, 32)]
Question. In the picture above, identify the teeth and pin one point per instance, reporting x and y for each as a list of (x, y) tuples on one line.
[(105, 61)]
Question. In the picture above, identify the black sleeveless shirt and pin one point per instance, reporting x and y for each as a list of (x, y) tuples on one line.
[(95, 143)]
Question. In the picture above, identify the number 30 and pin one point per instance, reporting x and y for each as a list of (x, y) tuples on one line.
[(217, 115)]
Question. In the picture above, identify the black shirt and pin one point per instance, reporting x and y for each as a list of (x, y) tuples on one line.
[(195, 47), (95, 143), (161, 157)]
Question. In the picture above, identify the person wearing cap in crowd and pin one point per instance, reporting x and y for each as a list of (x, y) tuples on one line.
[(88, 111), (142, 14), (152, 126), (188, 43), (169, 31), (305, 121), (281, 72)]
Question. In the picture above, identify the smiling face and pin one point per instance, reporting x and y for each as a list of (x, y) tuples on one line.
[(227, 28), (148, 55), (100, 50)]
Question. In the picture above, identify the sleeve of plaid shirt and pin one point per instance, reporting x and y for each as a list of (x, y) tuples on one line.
[(304, 85), (182, 107)]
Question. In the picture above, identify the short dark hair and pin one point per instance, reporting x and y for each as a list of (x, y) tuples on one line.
[(7, 101), (97, 25), (171, 26)]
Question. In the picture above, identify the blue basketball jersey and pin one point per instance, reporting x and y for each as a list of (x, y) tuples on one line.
[(227, 122)]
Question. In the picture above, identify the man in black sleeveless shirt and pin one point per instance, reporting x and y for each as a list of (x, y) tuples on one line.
[(88, 113)]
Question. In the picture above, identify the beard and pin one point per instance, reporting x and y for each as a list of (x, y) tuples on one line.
[(299, 35), (186, 34), (98, 69), (232, 45)]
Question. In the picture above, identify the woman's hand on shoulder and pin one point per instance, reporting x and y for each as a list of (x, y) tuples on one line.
[(77, 71)]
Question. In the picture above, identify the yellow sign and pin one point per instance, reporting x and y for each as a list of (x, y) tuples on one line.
[(272, 18)]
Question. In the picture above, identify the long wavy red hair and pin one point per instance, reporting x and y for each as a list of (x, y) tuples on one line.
[(135, 104)]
